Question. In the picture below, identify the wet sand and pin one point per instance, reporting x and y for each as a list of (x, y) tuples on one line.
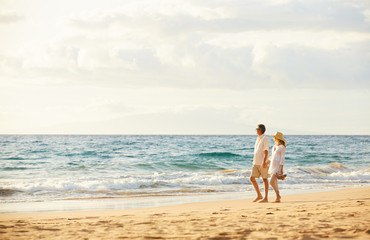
[(331, 215)]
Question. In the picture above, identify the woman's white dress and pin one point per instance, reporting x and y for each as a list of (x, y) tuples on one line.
[(277, 158)]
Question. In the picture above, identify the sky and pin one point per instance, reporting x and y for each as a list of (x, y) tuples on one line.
[(184, 66)]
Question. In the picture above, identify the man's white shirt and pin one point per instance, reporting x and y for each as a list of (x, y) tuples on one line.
[(262, 144)]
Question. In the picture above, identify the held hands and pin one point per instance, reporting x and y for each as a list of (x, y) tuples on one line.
[(266, 160), (265, 164)]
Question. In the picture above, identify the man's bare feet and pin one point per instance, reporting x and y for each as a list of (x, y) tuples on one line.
[(264, 201), (277, 200), (257, 199)]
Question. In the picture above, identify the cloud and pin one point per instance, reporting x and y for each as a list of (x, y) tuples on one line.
[(209, 44), (230, 16), (301, 66), (10, 17), (10, 65)]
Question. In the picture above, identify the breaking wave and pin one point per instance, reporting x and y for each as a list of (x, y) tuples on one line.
[(173, 183)]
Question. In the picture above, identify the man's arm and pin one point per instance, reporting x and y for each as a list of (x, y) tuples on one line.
[(265, 162), (265, 152)]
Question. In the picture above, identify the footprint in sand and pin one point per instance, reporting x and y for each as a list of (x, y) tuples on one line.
[(305, 237), (245, 232), (361, 203), (195, 219), (153, 237), (284, 225), (104, 222), (175, 221), (46, 229), (158, 214), (324, 220), (339, 230), (144, 223), (325, 226)]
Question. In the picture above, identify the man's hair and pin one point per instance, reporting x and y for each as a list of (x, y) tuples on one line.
[(262, 128)]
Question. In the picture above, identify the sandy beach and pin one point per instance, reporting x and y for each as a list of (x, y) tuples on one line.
[(332, 215)]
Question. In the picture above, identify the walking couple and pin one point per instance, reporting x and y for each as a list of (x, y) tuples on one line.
[(261, 163)]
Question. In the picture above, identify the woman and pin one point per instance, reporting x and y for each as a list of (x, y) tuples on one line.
[(277, 163)]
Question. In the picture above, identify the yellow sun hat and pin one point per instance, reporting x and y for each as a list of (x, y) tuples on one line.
[(279, 136)]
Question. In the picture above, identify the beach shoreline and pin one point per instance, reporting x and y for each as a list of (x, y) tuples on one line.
[(137, 202), (333, 214)]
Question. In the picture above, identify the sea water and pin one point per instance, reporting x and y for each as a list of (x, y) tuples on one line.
[(129, 171)]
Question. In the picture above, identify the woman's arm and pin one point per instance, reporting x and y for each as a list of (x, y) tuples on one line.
[(282, 155), (282, 159), (281, 169)]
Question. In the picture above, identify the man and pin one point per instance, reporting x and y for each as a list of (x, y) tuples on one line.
[(260, 162)]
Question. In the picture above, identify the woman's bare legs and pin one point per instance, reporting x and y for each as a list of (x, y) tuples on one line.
[(274, 185)]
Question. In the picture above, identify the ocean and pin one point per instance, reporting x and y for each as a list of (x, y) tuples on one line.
[(45, 172)]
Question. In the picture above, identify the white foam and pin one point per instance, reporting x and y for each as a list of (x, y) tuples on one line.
[(173, 182)]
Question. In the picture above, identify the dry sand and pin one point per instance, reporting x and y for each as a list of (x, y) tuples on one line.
[(332, 215)]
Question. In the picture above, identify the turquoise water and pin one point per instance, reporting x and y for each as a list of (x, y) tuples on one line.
[(48, 168)]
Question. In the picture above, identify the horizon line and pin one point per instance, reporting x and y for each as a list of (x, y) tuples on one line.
[(160, 134)]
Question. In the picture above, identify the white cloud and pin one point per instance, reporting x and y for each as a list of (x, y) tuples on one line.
[(8, 17), (210, 44), (323, 40), (211, 54), (298, 66)]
